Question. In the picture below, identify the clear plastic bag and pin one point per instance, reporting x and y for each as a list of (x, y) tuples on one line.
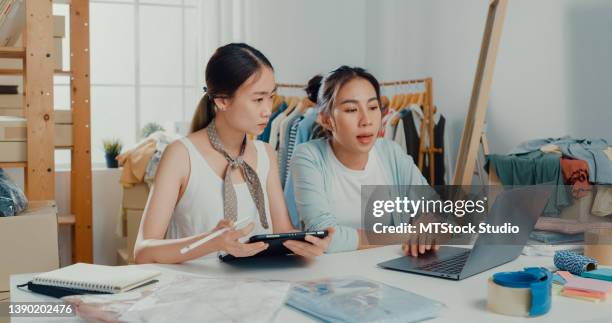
[(358, 299), (184, 298), (12, 199)]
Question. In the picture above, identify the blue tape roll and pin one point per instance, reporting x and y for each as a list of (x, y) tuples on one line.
[(539, 280), (573, 262)]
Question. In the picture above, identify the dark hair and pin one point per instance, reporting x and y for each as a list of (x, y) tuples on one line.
[(228, 68), (333, 81), (312, 88)]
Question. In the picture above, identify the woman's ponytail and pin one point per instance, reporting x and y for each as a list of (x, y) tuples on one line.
[(204, 114)]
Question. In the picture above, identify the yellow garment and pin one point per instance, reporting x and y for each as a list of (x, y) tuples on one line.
[(135, 161), (550, 148), (608, 153)]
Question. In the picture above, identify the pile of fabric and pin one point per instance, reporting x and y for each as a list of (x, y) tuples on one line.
[(12, 199), (581, 172), (573, 165), (140, 162)]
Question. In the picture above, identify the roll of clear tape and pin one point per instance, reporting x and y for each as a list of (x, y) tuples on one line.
[(598, 245), (507, 300)]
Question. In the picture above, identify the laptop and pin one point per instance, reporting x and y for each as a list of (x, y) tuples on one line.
[(521, 206)]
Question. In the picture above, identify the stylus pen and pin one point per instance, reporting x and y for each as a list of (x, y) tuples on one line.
[(213, 235)]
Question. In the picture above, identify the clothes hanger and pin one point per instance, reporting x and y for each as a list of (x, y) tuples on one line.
[(384, 102)]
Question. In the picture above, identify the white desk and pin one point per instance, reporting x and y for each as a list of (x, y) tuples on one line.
[(466, 299)]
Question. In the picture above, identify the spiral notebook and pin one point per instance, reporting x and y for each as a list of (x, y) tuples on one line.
[(96, 278)]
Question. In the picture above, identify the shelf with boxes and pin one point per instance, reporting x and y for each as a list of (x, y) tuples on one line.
[(30, 128)]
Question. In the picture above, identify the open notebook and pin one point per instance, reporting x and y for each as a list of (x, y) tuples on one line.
[(96, 278)]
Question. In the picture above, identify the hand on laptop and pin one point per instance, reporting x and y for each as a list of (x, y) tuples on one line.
[(420, 243), (313, 248)]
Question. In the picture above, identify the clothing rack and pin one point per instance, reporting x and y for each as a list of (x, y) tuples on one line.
[(427, 126), (287, 85)]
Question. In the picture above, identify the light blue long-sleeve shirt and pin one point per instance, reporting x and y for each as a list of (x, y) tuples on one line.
[(310, 180)]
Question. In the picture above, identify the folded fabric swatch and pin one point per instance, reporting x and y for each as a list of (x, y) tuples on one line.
[(587, 296), (600, 274), (558, 279), (589, 285)]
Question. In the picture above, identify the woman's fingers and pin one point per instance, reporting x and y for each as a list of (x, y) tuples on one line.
[(303, 249), (419, 244), (237, 234), (247, 249), (321, 243)]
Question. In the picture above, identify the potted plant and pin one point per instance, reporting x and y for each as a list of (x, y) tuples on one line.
[(150, 128), (112, 149)]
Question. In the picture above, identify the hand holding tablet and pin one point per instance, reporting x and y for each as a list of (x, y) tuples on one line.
[(307, 244)]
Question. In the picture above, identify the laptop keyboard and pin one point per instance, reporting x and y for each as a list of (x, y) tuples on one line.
[(452, 265)]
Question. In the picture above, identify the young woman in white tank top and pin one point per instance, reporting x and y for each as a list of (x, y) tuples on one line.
[(216, 176)]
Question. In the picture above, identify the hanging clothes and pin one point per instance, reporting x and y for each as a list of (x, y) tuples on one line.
[(286, 148), (441, 161), (387, 130), (265, 135), (285, 142), (305, 128), (275, 128), (407, 135)]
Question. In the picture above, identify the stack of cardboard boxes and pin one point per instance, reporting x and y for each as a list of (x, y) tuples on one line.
[(28, 242), (134, 201), (13, 129)]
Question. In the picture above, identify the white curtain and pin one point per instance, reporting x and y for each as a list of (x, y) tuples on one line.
[(221, 22)]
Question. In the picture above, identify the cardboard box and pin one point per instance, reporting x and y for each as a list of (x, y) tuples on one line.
[(61, 116), (11, 63), (58, 54), (59, 26), (12, 112), (4, 297), (133, 224), (13, 129), (13, 151), (63, 135), (28, 241), (12, 100), (135, 197)]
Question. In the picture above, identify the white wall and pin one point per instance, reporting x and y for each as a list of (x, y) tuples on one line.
[(553, 70), (300, 38), (303, 38), (551, 79)]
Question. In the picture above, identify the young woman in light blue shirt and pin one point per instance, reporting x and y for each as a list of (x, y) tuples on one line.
[(327, 174)]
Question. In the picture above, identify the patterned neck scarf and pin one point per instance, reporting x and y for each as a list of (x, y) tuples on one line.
[(230, 202)]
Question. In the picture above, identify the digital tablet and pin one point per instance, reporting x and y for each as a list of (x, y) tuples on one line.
[(275, 243)]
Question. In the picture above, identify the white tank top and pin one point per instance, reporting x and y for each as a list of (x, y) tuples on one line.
[(201, 206)]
